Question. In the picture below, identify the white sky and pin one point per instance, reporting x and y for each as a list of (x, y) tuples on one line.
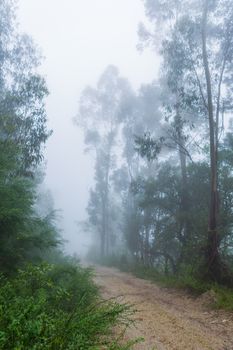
[(79, 38)]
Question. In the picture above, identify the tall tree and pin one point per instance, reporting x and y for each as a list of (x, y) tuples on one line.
[(205, 47), (22, 90), (99, 117), (23, 132)]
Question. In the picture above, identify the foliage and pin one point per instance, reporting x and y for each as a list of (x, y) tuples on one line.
[(24, 234), (57, 307), (196, 47), (22, 91), (23, 131)]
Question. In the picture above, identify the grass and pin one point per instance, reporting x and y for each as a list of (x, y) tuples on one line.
[(224, 298)]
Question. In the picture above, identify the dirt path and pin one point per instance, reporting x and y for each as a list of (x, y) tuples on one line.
[(167, 319)]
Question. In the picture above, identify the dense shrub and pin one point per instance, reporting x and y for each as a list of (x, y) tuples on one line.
[(54, 308)]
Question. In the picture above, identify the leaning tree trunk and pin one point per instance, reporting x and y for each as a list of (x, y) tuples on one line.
[(213, 262)]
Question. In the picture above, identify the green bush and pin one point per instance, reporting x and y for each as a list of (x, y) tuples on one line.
[(224, 298), (56, 308)]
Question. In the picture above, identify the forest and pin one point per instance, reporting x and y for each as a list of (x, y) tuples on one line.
[(160, 207), (163, 154)]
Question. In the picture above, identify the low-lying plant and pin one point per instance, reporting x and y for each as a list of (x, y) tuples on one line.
[(57, 308)]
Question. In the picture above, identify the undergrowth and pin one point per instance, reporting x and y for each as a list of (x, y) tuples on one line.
[(58, 308)]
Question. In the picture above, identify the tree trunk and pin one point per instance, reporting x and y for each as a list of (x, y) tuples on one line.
[(212, 251), (184, 205), (102, 243), (147, 247), (107, 202)]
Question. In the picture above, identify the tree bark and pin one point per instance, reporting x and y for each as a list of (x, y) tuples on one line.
[(212, 252), (184, 201)]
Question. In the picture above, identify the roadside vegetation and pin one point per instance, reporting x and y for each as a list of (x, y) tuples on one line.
[(219, 296), (57, 307)]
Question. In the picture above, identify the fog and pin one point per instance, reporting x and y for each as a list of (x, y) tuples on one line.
[(116, 181), (154, 187), (78, 39)]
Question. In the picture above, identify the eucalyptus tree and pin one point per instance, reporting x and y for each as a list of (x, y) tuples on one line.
[(23, 131), (199, 37), (99, 117), (140, 113), (22, 90), (178, 123)]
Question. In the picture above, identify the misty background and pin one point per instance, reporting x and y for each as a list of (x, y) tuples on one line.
[(79, 39)]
